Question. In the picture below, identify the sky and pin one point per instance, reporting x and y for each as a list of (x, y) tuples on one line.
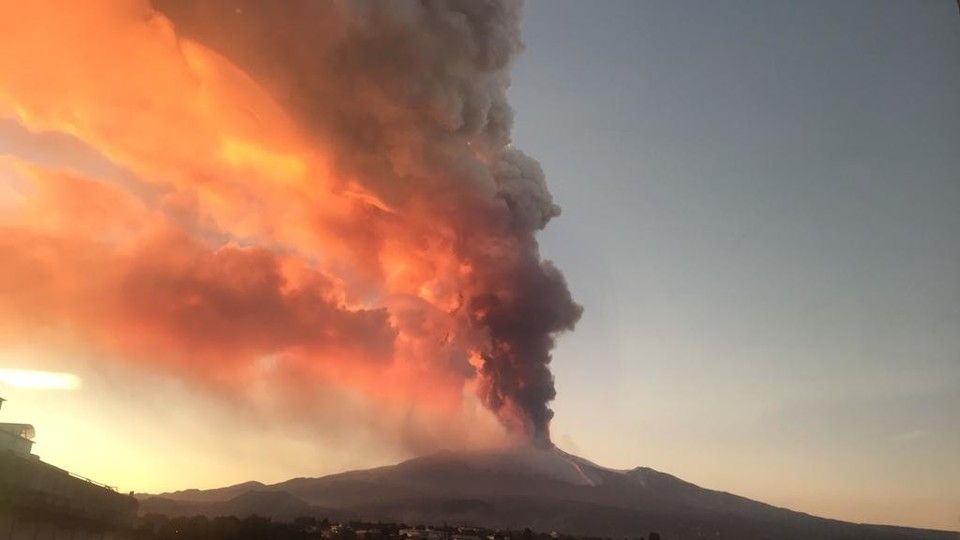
[(760, 217), (760, 220)]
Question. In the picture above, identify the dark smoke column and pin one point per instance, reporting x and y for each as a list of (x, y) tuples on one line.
[(531, 305), (522, 336)]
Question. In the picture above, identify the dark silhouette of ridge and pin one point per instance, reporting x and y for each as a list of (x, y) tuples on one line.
[(217, 494)]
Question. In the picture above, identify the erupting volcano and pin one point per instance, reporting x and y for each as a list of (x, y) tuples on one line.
[(290, 196), (543, 488)]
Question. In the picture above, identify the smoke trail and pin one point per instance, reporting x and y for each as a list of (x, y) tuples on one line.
[(335, 185)]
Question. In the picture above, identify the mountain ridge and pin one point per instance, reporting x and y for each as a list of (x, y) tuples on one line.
[(545, 489)]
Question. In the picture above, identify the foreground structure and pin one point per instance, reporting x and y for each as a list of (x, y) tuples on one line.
[(39, 500)]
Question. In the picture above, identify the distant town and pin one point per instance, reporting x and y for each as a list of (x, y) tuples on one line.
[(161, 527)]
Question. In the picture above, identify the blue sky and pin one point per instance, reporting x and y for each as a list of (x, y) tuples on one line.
[(761, 217)]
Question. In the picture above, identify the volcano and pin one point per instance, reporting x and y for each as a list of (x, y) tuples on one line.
[(545, 489)]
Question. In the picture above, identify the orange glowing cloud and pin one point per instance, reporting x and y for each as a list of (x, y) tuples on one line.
[(301, 209)]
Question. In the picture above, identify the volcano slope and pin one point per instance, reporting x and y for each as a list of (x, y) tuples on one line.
[(544, 489)]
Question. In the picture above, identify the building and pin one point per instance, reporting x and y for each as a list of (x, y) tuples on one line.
[(16, 438), (41, 501)]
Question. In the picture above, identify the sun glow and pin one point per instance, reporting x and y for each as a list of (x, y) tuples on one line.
[(39, 380)]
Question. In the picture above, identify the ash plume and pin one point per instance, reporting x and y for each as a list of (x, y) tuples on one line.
[(336, 189)]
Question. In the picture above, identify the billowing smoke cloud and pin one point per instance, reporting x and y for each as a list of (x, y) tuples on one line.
[(326, 188)]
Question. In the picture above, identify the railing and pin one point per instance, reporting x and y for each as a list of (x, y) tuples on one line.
[(84, 478), (28, 456), (94, 482)]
